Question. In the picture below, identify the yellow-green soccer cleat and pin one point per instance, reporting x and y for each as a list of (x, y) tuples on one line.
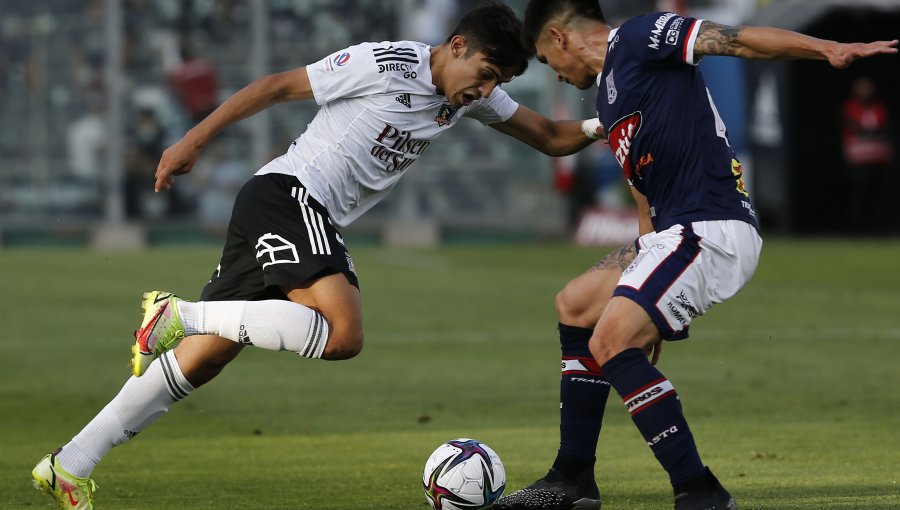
[(160, 331), (69, 491)]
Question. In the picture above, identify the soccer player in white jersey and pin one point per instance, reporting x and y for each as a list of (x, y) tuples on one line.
[(699, 242), (285, 280)]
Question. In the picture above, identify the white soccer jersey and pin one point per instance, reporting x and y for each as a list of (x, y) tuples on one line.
[(379, 113)]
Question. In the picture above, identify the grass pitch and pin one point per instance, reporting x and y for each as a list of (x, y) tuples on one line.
[(790, 388)]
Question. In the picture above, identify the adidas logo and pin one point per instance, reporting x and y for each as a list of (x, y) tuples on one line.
[(405, 100), (243, 337)]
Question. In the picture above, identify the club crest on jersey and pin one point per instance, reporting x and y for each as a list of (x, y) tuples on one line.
[(621, 136), (445, 115), (611, 92)]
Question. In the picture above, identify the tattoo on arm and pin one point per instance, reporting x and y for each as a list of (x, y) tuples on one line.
[(617, 260), (716, 39)]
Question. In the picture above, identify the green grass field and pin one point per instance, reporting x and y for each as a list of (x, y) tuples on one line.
[(791, 388)]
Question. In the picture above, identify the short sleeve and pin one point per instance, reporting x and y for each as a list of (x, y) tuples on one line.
[(351, 72), (497, 107), (662, 38)]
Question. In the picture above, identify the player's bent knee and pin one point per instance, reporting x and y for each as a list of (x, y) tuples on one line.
[(569, 308), (203, 357), (576, 308), (342, 347), (601, 350)]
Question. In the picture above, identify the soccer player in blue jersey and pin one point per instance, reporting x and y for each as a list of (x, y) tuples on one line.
[(699, 241)]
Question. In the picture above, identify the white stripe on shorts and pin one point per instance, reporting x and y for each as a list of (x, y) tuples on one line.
[(315, 228)]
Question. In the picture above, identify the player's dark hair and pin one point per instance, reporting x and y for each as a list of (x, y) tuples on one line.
[(539, 12), (495, 30)]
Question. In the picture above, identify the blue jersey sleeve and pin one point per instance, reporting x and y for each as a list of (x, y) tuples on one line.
[(662, 38)]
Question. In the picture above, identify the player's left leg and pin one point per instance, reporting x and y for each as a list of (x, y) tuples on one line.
[(570, 482), (583, 387)]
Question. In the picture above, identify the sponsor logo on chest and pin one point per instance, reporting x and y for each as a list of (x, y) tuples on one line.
[(397, 148), (392, 59), (621, 137)]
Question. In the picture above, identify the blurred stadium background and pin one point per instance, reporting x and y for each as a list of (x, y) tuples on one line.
[(93, 90)]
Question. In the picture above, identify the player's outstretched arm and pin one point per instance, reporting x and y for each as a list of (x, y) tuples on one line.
[(266, 91), (552, 137), (767, 43)]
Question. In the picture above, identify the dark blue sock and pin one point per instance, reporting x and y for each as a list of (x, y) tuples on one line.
[(582, 398), (656, 410)]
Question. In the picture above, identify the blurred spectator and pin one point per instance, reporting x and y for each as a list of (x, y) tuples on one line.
[(868, 152), (195, 82), (216, 180), (86, 141), (595, 183), (147, 139)]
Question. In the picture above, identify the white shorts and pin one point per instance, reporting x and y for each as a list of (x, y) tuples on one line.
[(680, 273)]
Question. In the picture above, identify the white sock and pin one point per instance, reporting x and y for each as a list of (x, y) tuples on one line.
[(141, 401), (274, 324)]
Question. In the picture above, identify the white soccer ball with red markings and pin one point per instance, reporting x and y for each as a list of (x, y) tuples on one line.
[(463, 474)]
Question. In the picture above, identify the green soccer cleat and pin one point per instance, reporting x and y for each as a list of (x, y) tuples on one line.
[(160, 331), (69, 491)]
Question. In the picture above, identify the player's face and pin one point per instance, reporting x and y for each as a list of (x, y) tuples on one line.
[(471, 78), (551, 48)]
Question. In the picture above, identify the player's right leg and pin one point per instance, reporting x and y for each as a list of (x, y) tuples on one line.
[(679, 274), (319, 319), (570, 483)]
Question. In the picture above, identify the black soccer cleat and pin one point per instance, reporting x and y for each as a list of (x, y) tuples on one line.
[(555, 491), (705, 493)]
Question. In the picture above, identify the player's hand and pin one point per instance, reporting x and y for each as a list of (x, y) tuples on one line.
[(653, 351), (845, 54), (178, 159)]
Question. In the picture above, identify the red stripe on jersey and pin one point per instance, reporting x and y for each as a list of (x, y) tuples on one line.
[(687, 39)]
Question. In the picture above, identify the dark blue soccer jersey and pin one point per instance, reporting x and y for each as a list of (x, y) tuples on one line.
[(663, 126)]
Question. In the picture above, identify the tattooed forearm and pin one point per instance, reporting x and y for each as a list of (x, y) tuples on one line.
[(617, 260), (716, 39)]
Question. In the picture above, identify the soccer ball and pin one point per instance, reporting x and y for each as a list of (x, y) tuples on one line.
[(463, 474)]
